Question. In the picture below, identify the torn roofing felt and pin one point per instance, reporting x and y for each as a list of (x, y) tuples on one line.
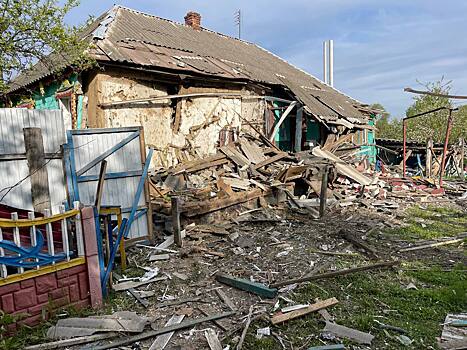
[(126, 36)]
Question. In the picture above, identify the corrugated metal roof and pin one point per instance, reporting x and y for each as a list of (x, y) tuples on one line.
[(128, 36)]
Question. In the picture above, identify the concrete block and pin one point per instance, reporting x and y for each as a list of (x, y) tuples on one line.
[(46, 283), (8, 304), (25, 298)]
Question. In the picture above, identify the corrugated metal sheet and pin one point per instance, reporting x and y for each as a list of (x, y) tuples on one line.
[(12, 122), (89, 144)]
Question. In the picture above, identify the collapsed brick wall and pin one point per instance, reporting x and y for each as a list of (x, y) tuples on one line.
[(38, 297)]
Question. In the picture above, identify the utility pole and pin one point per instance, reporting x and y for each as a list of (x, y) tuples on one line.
[(238, 22)]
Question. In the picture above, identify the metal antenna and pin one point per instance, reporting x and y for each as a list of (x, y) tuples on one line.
[(238, 22)]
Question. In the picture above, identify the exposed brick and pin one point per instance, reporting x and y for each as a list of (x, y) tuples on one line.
[(25, 298), (9, 288), (71, 271), (74, 292), (8, 304), (58, 293), (46, 283), (43, 298), (27, 283), (35, 310), (83, 285), (68, 281), (61, 302), (31, 321)]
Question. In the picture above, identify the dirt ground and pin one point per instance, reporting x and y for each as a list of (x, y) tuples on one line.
[(268, 246), (279, 245)]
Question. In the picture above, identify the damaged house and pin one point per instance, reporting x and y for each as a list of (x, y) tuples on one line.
[(191, 89)]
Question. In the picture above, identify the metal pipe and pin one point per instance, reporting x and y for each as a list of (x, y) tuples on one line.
[(331, 62), (404, 135), (445, 150), (325, 61)]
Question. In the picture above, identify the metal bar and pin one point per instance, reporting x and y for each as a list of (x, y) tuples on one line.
[(428, 112), (331, 62), (100, 249), (73, 174), (79, 230), (65, 243), (33, 232), (445, 149), (22, 156), (68, 176), (3, 270), (37, 222), (459, 97), (404, 133), (107, 153), (118, 175), (138, 193), (113, 252), (325, 61), (98, 131), (16, 236), (49, 234)]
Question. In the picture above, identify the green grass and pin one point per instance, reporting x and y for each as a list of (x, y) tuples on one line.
[(439, 221), (366, 297)]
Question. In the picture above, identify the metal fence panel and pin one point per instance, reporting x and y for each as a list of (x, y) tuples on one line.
[(14, 172)]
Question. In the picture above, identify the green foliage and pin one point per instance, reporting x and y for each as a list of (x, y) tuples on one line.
[(33, 29), (434, 124), (390, 128)]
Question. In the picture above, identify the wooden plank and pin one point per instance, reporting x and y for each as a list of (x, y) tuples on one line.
[(270, 160), (298, 130), (176, 221), (281, 317), (235, 156), (71, 342), (335, 273), (242, 184), (162, 340), (38, 174), (281, 120), (100, 185), (349, 333), (178, 116), (247, 285), (252, 151), (220, 293), (127, 285), (218, 323), (451, 241), (323, 194), (150, 334), (359, 243), (212, 339), (207, 206)]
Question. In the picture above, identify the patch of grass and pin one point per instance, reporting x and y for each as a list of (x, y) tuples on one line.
[(438, 222), (366, 297)]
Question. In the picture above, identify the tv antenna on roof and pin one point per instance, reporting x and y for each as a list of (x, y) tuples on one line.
[(238, 22)]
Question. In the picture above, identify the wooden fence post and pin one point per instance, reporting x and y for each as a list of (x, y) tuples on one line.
[(324, 191), (35, 156), (428, 158), (462, 155)]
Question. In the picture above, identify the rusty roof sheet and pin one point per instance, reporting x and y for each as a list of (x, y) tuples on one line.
[(128, 36)]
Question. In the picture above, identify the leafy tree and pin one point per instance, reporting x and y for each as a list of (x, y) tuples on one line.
[(386, 126), (31, 31), (434, 124)]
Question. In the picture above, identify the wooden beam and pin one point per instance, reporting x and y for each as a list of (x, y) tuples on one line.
[(298, 130), (281, 120), (100, 185), (428, 157), (283, 317), (334, 273), (176, 221), (247, 285), (323, 196), (35, 155), (178, 117), (270, 160)]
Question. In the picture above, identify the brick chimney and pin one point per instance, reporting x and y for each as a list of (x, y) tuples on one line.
[(193, 19)]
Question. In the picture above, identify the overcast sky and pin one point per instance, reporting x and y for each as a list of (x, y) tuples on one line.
[(380, 46)]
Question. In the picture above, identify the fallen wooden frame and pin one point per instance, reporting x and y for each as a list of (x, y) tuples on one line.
[(283, 317)]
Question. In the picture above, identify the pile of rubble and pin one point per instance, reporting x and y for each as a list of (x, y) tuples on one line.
[(239, 172)]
